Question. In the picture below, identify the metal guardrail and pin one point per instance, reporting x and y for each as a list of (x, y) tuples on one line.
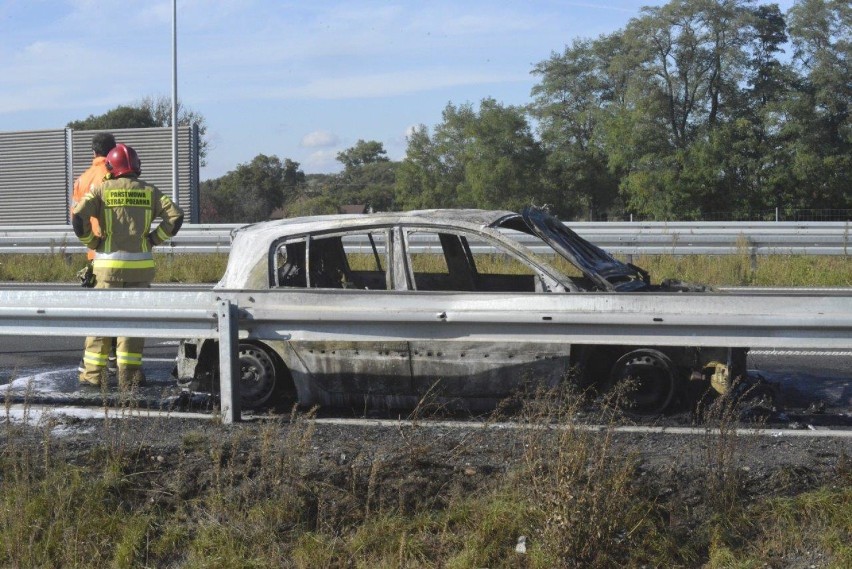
[(42, 239), (622, 238), (179, 314), (766, 320)]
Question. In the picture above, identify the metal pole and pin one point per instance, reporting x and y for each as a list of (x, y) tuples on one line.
[(69, 172), (175, 196), (229, 379)]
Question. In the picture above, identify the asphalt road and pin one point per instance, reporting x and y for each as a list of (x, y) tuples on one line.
[(39, 361), (807, 377), (44, 370)]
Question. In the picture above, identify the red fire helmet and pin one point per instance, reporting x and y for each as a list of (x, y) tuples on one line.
[(123, 160)]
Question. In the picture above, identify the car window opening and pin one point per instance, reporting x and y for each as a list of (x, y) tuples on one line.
[(335, 262), (483, 267)]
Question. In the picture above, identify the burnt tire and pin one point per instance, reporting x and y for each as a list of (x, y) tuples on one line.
[(651, 377), (261, 375)]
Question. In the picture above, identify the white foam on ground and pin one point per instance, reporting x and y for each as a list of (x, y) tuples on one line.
[(41, 382), (40, 416), (62, 381)]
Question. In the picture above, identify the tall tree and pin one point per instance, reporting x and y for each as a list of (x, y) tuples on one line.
[(161, 111), (485, 158), (363, 153), (148, 113), (759, 151), (293, 178), (122, 116), (684, 101), (769, 78), (422, 179), (692, 57), (252, 191), (576, 91), (692, 111), (367, 178), (819, 131)]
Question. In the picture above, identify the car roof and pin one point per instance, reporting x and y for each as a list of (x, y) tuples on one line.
[(311, 224), (250, 244)]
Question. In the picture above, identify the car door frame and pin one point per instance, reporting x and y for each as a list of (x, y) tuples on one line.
[(356, 372)]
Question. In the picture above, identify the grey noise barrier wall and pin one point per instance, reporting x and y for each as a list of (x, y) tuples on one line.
[(38, 169)]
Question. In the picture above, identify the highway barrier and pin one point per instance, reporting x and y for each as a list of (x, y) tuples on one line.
[(621, 238), (741, 319)]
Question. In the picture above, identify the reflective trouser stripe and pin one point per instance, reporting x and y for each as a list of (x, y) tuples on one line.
[(125, 256), (95, 358), (128, 359), (119, 264), (129, 350), (124, 260)]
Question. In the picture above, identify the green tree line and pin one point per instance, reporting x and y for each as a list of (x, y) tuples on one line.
[(694, 107)]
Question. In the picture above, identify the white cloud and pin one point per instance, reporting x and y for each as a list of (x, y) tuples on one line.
[(319, 138), (322, 161)]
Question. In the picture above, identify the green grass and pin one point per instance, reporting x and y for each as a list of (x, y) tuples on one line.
[(819, 520)]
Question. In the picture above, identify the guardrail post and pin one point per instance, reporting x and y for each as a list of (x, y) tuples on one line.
[(229, 378)]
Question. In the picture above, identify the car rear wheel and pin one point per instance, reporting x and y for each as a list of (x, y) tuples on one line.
[(260, 375), (648, 377)]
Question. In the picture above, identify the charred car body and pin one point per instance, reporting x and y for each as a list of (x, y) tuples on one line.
[(474, 252)]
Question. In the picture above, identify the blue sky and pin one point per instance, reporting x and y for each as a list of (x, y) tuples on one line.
[(298, 79)]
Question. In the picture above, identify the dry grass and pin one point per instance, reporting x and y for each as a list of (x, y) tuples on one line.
[(58, 267), (722, 270), (267, 495), (729, 270), (743, 270)]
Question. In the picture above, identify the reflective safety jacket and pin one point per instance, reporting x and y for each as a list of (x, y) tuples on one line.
[(125, 208), (88, 180)]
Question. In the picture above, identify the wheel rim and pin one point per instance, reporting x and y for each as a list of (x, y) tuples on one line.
[(257, 376), (653, 379)]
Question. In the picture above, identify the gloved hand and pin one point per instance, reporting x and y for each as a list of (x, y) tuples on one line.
[(87, 276)]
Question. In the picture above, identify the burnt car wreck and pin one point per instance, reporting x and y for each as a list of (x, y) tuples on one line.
[(474, 253)]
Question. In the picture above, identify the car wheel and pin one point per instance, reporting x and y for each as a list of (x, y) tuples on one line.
[(259, 376), (650, 379)]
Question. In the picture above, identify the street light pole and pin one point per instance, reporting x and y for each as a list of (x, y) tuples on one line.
[(175, 196)]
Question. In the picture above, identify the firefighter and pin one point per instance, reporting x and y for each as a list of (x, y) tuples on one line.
[(125, 206), (94, 175)]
